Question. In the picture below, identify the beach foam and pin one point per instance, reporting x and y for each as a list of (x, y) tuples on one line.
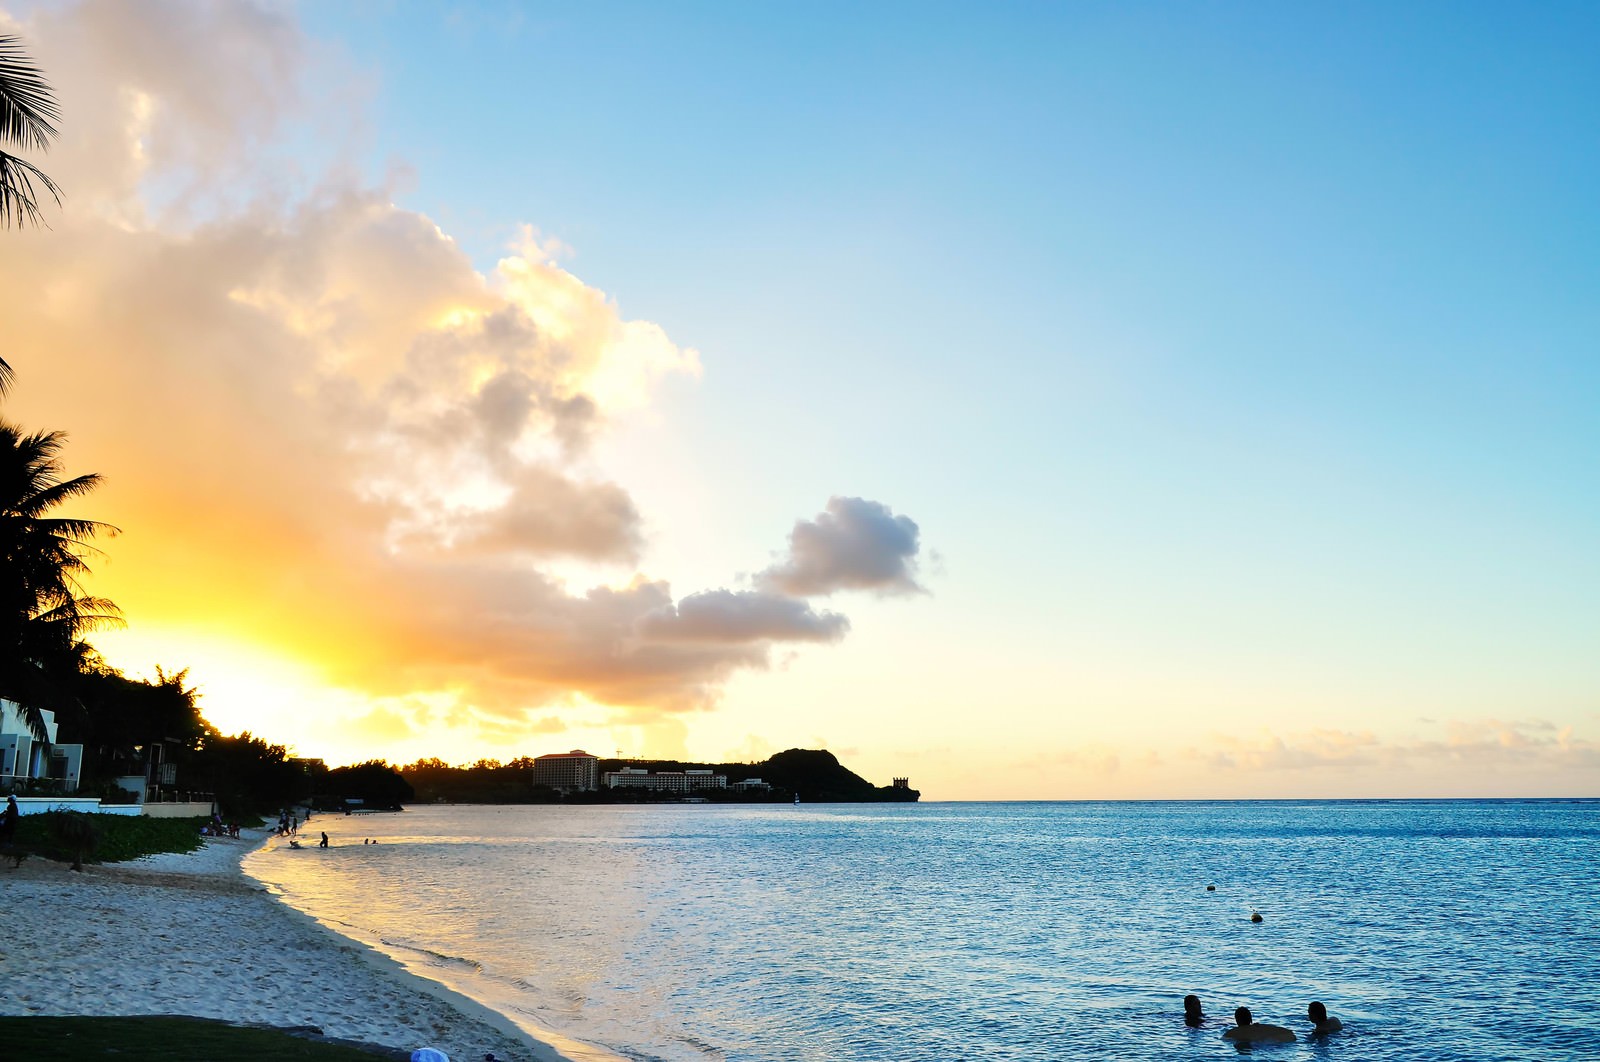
[(190, 934)]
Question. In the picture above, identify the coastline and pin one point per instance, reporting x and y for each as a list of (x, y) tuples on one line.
[(192, 934)]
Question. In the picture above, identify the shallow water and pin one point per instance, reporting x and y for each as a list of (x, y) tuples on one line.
[(1029, 932)]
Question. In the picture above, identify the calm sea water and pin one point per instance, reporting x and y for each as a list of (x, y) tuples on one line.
[(1027, 932)]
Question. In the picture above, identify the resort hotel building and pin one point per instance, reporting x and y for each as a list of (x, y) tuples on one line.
[(574, 771), (671, 781)]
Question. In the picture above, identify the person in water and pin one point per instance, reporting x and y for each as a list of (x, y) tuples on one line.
[(324, 843), (1322, 1020), (1248, 1032), (1193, 1017)]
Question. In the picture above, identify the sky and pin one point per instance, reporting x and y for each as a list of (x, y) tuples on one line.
[(1057, 401)]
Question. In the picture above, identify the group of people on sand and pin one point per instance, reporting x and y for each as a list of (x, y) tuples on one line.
[(1247, 1030)]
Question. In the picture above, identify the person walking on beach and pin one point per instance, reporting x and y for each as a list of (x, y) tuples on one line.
[(1324, 1022), (8, 820), (324, 843), (1248, 1032)]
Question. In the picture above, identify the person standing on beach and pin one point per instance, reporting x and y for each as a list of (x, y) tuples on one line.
[(1248, 1032), (8, 820), (324, 843)]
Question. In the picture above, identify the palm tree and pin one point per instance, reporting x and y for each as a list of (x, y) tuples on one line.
[(27, 112), (43, 610)]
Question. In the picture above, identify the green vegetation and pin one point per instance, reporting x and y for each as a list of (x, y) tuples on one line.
[(72, 835), (165, 1039)]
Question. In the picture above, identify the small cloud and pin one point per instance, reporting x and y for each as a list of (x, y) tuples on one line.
[(856, 544), (1093, 759), (379, 726), (753, 749)]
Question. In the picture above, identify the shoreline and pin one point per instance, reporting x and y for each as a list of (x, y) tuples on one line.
[(192, 934), (548, 1045)]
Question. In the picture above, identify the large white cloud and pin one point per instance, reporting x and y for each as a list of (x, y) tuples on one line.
[(322, 428)]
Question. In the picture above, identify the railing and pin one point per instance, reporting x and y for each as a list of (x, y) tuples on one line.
[(23, 784), (178, 796)]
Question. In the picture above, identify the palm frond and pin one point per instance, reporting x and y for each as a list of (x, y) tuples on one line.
[(82, 614), (27, 108), (54, 494), (19, 198)]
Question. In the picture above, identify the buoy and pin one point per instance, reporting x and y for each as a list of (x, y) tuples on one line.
[(1211, 888), (1255, 916)]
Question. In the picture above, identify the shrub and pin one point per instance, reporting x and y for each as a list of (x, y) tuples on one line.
[(116, 837)]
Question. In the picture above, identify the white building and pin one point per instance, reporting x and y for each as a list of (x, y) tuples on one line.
[(23, 757), (670, 781), (567, 771)]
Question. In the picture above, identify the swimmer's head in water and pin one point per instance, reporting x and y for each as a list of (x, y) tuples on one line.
[(1242, 1016), (1191, 1004), (1317, 1013)]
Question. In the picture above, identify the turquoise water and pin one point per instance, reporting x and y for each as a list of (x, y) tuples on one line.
[(1028, 932)]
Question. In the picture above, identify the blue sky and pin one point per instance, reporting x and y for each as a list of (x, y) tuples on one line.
[(1268, 326), (1236, 361)]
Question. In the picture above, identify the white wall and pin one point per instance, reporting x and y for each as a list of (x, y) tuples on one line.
[(92, 805), (175, 809)]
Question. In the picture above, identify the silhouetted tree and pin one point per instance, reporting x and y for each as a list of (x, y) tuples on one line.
[(374, 783), (43, 609), (249, 775)]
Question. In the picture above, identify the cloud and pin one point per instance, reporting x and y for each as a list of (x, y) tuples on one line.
[(855, 544), (1486, 744), (543, 513), (741, 616), (1096, 759), (325, 431)]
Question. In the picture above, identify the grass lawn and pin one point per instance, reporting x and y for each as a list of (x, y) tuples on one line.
[(150, 1039)]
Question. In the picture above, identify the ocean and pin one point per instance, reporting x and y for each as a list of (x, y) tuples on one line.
[(1026, 932)]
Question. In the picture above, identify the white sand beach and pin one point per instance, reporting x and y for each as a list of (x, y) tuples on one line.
[(191, 935)]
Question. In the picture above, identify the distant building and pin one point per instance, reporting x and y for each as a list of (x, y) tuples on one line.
[(568, 771), (750, 785), (25, 758), (670, 781), (902, 783)]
